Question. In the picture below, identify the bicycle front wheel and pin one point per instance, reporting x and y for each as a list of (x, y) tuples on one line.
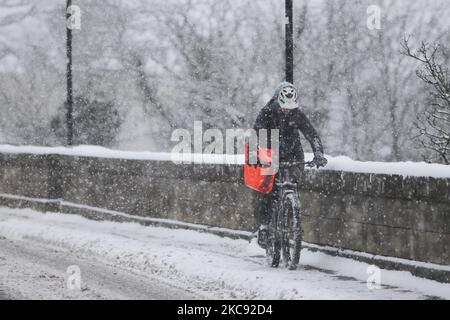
[(292, 235)]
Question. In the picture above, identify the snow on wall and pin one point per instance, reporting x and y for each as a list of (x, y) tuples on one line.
[(339, 163)]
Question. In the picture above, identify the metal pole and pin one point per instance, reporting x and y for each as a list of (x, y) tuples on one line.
[(69, 102), (289, 42)]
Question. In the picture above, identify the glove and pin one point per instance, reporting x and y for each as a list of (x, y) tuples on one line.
[(319, 160)]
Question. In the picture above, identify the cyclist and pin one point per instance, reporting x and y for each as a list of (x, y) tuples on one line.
[(282, 112)]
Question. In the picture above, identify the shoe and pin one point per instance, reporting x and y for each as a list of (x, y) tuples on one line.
[(262, 236)]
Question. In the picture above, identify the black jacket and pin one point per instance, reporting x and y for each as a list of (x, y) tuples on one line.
[(290, 125)]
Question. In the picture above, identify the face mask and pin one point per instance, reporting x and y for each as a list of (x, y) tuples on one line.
[(287, 98)]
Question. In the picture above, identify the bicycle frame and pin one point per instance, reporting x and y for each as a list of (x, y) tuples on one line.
[(284, 181)]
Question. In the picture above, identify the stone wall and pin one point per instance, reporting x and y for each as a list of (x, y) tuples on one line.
[(381, 214)]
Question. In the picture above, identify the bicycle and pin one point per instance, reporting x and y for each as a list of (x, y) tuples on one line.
[(285, 233)]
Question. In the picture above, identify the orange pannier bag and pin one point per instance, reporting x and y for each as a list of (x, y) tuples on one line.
[(256, 176)]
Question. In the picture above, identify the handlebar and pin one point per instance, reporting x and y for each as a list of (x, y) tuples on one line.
[(309, 164)]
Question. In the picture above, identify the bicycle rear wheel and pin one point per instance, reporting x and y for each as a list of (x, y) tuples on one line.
[(292, 235)]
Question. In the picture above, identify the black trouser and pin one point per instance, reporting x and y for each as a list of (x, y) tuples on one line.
[(267, 203)]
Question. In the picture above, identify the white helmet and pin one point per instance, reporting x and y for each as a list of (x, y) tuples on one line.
[(288, 97)]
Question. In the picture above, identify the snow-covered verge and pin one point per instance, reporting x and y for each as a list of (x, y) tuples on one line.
[(339, 163), (210, 266)]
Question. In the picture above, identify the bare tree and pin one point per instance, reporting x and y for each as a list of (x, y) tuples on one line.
[(433, 123), (30, 82)]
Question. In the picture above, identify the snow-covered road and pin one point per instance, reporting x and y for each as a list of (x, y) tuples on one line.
[(129, 261), (39, 272)]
